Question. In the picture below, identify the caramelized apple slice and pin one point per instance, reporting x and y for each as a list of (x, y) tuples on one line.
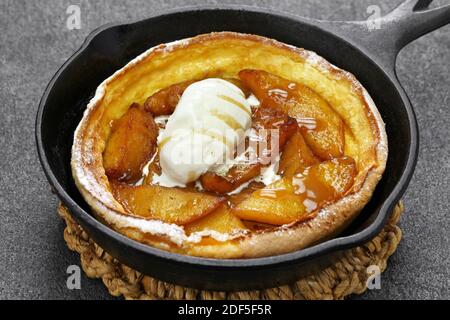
[(326, 137), (266, 120), (221, 220), (276, 204), (337, 175), (131, 144), (296, 156), (245, 193), (236, 176), (298, 198), (164, 102), (171, 205)]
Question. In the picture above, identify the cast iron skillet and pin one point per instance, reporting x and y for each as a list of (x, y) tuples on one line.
[(369, 54)]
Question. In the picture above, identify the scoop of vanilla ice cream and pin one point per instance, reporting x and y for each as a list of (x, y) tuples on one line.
[(209, 122)]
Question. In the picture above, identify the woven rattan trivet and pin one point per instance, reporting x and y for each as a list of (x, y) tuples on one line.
[(347, 276)]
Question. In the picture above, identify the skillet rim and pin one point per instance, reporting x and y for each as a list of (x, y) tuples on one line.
[(327, 247)]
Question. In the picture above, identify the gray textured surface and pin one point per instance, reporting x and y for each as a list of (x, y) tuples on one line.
[(34, 42)]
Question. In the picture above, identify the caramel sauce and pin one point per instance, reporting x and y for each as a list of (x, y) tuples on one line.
[(164, 142), (208, 241), (236, 103), (153, 167), (314, 193), (160, 242), (229, 120), (215, 136)]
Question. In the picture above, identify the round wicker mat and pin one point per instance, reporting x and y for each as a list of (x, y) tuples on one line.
[(347, 276)]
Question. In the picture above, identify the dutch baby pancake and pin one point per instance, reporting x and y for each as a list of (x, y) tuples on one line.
[(229, 145)]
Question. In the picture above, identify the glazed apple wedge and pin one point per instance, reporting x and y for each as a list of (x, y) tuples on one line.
[(297, 198), (221, 220), (325, 136), (276, 204), (164, 102), (236, 176), (171, 205), (131, 144), (296, 156)]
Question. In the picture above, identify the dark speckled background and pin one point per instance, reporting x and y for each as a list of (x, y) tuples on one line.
[(34, 42)]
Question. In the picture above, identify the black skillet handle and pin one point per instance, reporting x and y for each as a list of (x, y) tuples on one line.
[(384, 37)]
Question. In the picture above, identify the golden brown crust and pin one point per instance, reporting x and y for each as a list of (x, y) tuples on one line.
[(225, 54)]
